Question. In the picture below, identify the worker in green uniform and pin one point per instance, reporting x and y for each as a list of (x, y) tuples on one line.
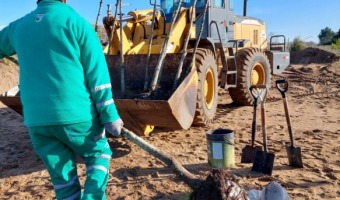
[(66, 95)]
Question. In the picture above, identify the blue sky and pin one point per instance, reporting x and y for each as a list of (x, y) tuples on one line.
[(293, 18)]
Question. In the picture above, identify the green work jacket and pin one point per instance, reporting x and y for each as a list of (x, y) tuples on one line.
[(64, 76)]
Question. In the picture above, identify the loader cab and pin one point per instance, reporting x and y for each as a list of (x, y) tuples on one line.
[(219, 18), (220, 21), (168, 6)]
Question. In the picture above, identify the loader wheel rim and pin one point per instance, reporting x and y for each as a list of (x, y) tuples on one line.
[(258, 74), (209, 92)]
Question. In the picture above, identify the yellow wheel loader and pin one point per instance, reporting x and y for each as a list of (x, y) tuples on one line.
[(167, 63)]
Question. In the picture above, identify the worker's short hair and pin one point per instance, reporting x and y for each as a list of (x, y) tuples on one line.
[(56, 0)]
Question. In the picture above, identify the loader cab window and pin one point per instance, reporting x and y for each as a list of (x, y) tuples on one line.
[(168, 6), (186, 3), (219, 3), (231, 5), (200, 3)]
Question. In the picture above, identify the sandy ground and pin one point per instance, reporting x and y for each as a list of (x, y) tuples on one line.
[(314, 103)]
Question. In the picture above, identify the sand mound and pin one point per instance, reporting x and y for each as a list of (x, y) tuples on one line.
[(313, 55)]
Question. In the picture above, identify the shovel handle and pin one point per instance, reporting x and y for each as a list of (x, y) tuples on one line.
[(256, 93), (290, 131), (253, 92), (260, 91), (263, 121), (253, 125), (257, 90), (282, 86)]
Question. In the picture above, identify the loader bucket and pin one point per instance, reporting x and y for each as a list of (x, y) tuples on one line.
[(11, 99), (163, 107)]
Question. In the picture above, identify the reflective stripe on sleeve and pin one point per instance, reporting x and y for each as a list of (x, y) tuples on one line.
[(98, 167), (105, 156), (71, 182), (105, 103), (101, 87)]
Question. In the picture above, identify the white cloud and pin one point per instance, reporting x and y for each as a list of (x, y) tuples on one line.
[(2, 26)]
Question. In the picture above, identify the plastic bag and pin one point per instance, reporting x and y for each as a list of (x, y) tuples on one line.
[(273, 191)]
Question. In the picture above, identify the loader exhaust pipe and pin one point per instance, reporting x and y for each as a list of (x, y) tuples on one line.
[(245, 7)]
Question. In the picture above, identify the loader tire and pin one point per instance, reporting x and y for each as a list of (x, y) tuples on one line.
[(207, 91), (252, 68)]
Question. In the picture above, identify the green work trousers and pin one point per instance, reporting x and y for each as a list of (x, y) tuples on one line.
[(57, 146)]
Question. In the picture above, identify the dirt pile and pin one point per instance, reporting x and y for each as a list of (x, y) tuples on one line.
[(313, 55)]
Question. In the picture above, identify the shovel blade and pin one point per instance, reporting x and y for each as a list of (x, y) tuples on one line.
[(264, 162), (260, 159), (249, 153), (294, 156), (269, 164)]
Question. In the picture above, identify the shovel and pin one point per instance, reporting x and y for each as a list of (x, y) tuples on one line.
[(264, 161), (249, 151), (293, 153)]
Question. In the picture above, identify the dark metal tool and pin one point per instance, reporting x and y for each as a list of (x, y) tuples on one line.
[(293, 152), (249, 151), (264, 160)]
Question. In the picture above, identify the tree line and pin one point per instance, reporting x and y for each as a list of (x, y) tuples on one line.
[(328, 37)]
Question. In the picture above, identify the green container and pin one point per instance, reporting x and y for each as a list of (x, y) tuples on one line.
[(220, 143)]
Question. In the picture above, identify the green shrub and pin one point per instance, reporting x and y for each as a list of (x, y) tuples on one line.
[(297, 45), (336, 45)]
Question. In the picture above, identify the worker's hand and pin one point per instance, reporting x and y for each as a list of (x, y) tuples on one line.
[(115, 127)]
